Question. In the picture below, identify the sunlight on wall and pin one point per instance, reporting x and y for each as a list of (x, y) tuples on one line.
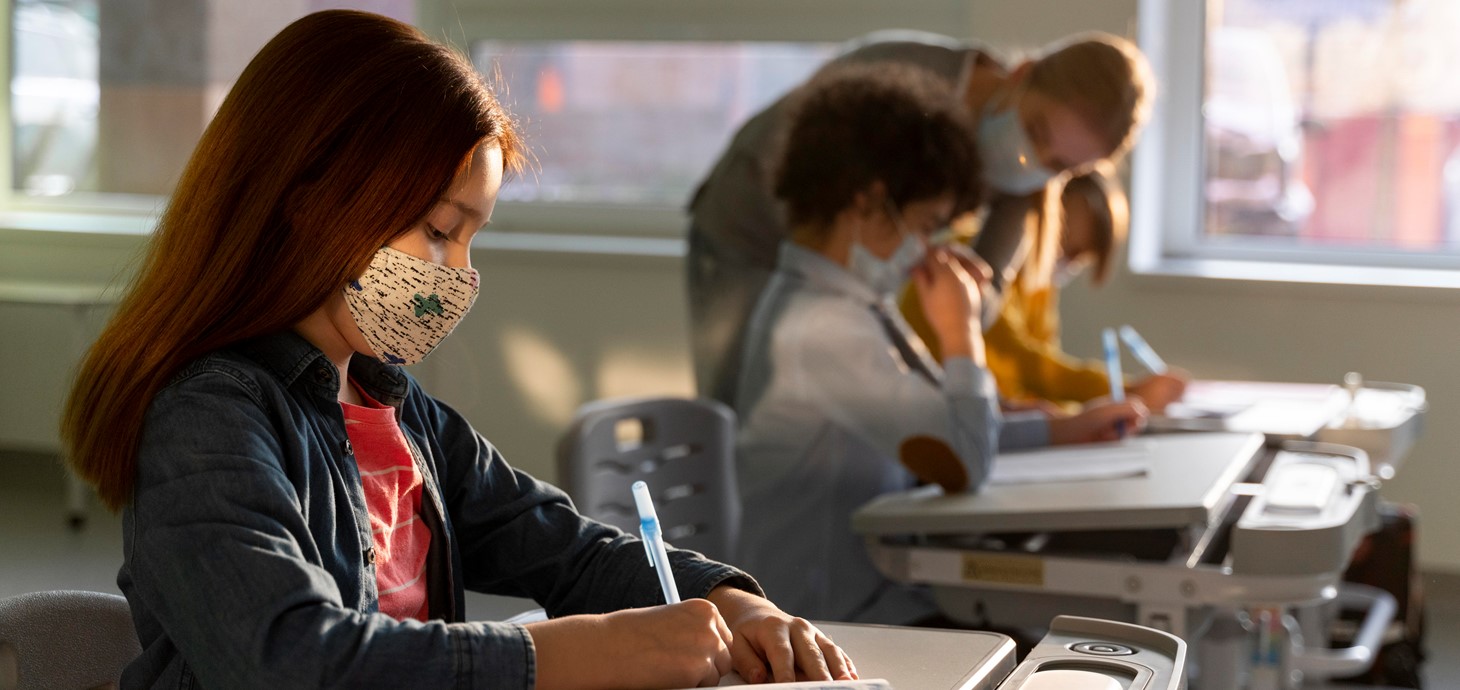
[(624, 372), (543, 374)]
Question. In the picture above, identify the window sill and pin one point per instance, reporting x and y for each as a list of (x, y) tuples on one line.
[(81, 258), (110, 224), (1293, 278)]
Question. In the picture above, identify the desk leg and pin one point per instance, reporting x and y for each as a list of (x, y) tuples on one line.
[(76, 495), (1164, 617), (1172, 618)]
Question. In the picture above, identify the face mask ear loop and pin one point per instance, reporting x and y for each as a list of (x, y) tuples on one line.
[(896, 216)]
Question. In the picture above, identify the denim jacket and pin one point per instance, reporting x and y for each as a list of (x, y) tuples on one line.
[(248, 546)]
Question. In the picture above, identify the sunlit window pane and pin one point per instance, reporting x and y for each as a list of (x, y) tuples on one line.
[(635, 122), (111, 96), (1334, 124), (54, 96)]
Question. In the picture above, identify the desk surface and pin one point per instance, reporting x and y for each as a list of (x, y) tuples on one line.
[(922, 658), (1281, 411), (1187, 477)]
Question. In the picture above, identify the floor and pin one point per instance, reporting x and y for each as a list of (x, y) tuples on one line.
[(38, 551)]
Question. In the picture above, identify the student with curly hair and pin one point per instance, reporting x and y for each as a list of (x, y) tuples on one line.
[(839, 400)]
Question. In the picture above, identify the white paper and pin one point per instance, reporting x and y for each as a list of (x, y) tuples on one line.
[(1075, 463), (732, 680)]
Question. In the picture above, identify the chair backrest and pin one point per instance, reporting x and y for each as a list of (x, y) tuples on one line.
[(65, 639), (683, 449)]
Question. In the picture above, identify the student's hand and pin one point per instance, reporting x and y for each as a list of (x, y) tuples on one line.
[(773, 646), (1100, 421), (1160, 390), (948, 291), (674, 646), (972, 263)]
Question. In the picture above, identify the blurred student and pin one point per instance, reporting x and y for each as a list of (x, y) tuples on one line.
[(840, 401), (1078, 101), (297, 511)]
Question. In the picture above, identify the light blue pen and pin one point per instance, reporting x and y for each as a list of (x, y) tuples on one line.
[(1142, 351), (654, 541), (1112, 369)]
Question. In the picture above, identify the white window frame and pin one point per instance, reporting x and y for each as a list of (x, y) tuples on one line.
[(1168, 168)]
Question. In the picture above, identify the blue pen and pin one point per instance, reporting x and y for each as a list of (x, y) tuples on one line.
[(654, 541), (1112, 368), (1142, 351)]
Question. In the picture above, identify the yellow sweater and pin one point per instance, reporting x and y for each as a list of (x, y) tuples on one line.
[(1023, 349)]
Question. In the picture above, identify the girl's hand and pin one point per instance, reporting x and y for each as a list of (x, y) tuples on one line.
[(1100, 421), (1161, 390), (674, 646), (948, 288), (773, 646)]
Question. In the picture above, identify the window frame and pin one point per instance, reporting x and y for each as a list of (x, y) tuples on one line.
[(1168, 170)]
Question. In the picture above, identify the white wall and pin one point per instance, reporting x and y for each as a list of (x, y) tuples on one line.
[(553, 331)]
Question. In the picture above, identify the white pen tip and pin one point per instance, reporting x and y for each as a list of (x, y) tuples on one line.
[(643, 502)]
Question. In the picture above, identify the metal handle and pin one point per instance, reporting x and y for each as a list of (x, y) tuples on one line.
[(1359, 457), (1358, 658)]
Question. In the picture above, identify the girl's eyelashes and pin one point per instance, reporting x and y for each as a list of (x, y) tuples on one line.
[(435, 234)]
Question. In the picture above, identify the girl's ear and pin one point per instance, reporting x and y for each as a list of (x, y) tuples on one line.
[(870, 200)]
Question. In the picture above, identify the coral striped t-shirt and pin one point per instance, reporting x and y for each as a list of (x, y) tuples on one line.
[(392, 485)]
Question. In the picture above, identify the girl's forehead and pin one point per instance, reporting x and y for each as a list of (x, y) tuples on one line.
[(477, 183), (1069, 136)]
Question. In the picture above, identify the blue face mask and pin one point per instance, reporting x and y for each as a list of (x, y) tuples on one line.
[(886, 276), (1009, 160)]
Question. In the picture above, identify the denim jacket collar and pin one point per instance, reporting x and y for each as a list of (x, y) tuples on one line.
[(290, 357)]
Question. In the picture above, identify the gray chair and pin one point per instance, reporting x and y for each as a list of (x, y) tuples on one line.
[(683, 449), (65, 639)]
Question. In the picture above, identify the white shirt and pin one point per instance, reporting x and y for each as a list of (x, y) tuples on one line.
[(825, 401)]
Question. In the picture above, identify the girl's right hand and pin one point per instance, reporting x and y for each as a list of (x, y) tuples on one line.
[(677, 645), (1160, 390), (948, 288), (1101, 420)]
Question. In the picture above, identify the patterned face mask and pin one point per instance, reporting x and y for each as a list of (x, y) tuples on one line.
[(406, 306)]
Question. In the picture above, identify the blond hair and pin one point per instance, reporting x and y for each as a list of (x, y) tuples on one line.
[(1109, 216), (1104, 78)]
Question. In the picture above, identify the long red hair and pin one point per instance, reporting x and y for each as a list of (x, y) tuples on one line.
[(340, 135)]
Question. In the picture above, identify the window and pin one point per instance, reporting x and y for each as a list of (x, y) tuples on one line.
[(637, 123), (54, 96), (1301, 132), (625, 104), (107, 99)]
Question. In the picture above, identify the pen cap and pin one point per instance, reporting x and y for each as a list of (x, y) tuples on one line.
[(644, 503), (1112, 365)]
